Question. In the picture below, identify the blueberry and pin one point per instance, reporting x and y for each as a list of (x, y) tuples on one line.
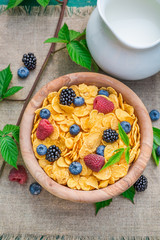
[(100, 150), (74, 129), (41, 149), (23, 72), (126, 126), (35, 188), (45, 113), (75, 168), (154, 115), (78, 101), (158, 151), (103, 92)]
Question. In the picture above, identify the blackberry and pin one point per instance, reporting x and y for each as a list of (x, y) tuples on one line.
[(141, 184), (67, 96), (53, 153), (29, 61), (110, 136)]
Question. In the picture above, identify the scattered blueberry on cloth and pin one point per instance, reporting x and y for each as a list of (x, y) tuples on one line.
[(154, 115)]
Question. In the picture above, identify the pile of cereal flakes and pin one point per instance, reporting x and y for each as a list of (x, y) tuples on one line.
[(92, 124)]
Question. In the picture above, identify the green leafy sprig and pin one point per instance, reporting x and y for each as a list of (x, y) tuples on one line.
[(15, 3), (156, 143), (119, 152), (76, 47), (8, 147), (129, 194), (5, 79)]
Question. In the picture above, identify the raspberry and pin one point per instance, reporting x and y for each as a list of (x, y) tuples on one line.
[(53, 153), (103, 105), (141, 184), (18, 175), (29, 61), (110, 136), (94, 161), (67, 96), (44, 129)]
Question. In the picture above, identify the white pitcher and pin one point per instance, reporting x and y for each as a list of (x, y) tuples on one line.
[(123, 37)]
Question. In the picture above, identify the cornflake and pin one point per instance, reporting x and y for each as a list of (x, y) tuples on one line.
[(92, 124)]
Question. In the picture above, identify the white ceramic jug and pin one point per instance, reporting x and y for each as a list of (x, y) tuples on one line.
[(123, 37)]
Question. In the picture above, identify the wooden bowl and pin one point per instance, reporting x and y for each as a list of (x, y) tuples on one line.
[(64, 192)]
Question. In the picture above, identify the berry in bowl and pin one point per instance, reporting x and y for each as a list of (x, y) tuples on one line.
[(86, 137)]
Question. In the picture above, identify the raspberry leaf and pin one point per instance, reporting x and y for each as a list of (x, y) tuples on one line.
[(74, 34), (129, 194), (11, 91), (127, 155), (123, 135), (156, 130), (13, 129), (114, 159), (79, 54), (154, 154), (9, 150), (13, 3), (56, 40), (156, 136), (5, 78), (43, 3), (64, 33), (119, 149), (103, 204), (94, 65)]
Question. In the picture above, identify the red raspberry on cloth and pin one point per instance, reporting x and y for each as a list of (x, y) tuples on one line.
[(103, 105), (44, 129), (94, 161), (18, 175)]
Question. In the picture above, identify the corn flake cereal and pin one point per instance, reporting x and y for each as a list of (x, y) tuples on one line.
[(92, 124)]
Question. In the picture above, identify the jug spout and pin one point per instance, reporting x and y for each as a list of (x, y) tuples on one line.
[(136, 23)]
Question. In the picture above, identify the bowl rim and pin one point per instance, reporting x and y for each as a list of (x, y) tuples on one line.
[(110, 191)]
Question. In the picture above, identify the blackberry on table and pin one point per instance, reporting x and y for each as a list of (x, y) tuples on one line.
[(141, 184), (29, 61), (53, 153), (67, 96), (110, 136)]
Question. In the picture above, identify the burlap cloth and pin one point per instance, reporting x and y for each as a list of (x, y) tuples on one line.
[(22, 213)]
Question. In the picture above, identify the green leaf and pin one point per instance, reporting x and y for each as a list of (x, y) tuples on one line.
[(43, 3), (1, 133), (84, 43), (55, 40), (156, 138), (13, 3), (9, 128), (154, 154), (9, 150), (114, 159), (64, 33), (11, 91), (119, 149), (129, 194), (156, 130), (103, 204), (5, 78), (74, 34), (79, 54), (95, 66), (123, 135), (127, 155)]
